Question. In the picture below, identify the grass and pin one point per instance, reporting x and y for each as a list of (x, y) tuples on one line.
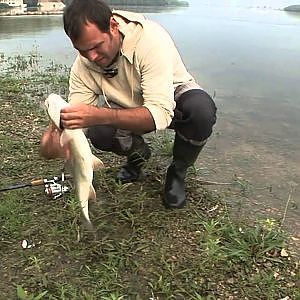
[(141, 251)]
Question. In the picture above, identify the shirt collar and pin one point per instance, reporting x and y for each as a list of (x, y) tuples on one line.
[(130, 25)]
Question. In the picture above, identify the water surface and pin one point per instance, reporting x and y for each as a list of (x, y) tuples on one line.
[(247, 53)]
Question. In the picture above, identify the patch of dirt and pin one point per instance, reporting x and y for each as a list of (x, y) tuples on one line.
[(271, 174)]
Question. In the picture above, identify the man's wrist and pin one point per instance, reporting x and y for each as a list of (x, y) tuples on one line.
[(107, 116)]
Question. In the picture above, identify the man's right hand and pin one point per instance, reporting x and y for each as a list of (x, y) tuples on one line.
[(50, 146)]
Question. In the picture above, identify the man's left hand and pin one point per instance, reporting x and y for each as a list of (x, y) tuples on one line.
[(79, 116)]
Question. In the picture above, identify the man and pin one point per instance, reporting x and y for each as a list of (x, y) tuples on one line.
[(133, 64)]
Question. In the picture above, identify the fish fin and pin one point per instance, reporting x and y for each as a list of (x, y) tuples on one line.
[(84, 200), (92, 194), (85, 211), (97, 163), (85, 208)]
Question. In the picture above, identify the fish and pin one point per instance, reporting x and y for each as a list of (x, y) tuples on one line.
[(81, 160)]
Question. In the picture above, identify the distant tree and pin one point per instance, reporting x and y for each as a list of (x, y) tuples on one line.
[(66, 2), (4, 5), (31, 3), (292, 8)]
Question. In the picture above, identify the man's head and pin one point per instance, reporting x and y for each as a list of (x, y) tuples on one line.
[(93, 30)]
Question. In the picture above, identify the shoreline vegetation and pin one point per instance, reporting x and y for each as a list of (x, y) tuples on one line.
[(141, 250), (38, 9), (292, 8)]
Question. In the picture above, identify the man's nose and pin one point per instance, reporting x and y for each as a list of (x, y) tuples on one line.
[(92, 55)]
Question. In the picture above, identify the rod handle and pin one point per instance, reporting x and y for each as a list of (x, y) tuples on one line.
[(37, 182)]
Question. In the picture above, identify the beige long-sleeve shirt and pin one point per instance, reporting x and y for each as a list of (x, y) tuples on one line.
[(150, 71)]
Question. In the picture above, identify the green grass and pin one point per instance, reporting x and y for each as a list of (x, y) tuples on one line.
[(140, 250)]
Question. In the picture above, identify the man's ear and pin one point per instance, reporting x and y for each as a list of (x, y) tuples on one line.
[(114, 25)]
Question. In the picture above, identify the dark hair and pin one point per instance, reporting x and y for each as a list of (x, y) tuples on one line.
[(80, 12)]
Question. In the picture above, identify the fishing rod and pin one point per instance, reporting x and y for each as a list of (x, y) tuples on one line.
[(53, 188)]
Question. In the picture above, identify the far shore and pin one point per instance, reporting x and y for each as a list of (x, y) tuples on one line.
[(60, 12), (293, 8), (31, 13)]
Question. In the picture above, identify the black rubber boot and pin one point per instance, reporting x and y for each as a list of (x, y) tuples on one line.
[(184, 156), (136, 158)]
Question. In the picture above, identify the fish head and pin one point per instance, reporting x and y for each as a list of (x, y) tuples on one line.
[(54, 104)]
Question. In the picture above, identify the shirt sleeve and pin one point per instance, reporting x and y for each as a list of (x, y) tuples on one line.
[(155, 55)]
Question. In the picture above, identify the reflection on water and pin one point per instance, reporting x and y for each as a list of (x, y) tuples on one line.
[(248, 55), (148, 9), (295, 15), (23, 34), (12, 11), (22, 26)]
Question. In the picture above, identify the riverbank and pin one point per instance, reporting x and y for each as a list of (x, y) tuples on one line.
[(142, 251)]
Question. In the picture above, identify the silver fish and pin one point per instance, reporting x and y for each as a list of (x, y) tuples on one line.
[(82, 161)]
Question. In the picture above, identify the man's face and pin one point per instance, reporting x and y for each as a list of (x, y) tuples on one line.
[(97, 46)]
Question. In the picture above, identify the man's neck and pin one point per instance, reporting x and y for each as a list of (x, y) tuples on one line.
[(115, 59)]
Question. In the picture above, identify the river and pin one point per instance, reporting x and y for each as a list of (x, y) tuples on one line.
[(247, 53)]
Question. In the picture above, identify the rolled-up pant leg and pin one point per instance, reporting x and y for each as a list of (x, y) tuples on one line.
[(195, 115)]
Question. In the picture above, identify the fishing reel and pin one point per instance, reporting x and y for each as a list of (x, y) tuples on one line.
[(55, 190)]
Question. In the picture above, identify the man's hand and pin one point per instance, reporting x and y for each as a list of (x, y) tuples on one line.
[(79, 116), (50, 144), (138, 120)]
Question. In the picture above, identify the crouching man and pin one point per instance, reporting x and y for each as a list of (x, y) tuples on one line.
[(133, 63)]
